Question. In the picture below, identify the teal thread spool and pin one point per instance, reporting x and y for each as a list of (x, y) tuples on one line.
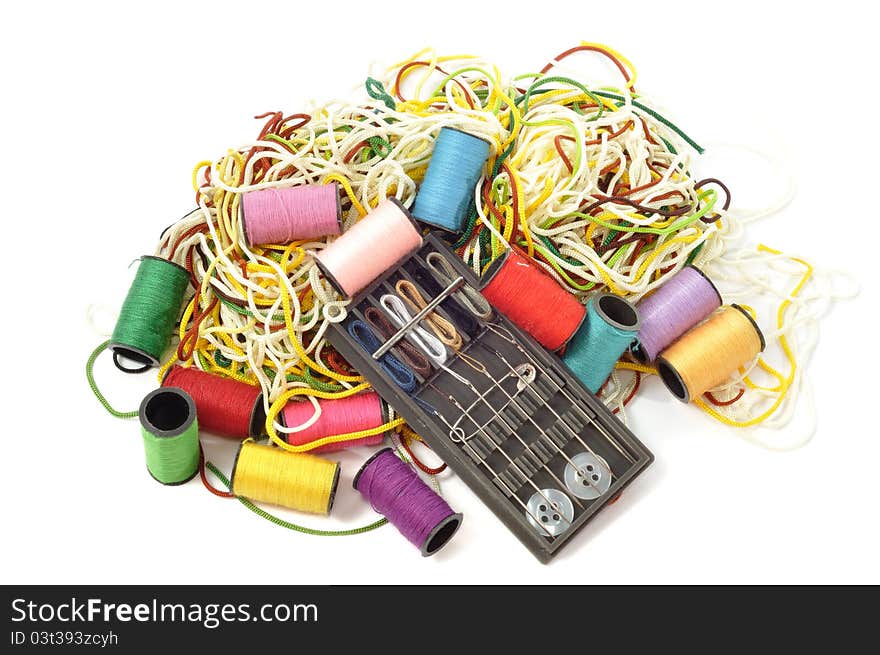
[(610, 327), (149, 313), (171, 435), (447, 192)]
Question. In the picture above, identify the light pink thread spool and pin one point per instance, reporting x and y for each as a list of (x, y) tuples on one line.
[(377, 242), (293, 214), (362, 411)]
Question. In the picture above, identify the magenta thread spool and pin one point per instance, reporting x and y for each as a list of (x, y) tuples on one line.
[(295, 213), (675, 307), (363, 411), (375, 244), (396, 491)]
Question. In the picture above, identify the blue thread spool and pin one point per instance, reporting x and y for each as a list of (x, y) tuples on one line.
[(447, 192), (610, 327)]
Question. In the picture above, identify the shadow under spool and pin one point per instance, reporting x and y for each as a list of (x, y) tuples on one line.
[(440, 534), (672, 377), (167, 413)]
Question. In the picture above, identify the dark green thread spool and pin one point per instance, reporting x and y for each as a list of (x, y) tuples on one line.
[(171, 435), (149, 313)]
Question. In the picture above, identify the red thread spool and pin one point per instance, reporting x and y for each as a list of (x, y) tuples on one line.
[(291, 214), (533, 300), (225, 407), (363, 411)]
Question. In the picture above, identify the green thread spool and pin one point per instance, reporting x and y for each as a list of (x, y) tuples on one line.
[(149, 313), (171, 435), (610, 327)]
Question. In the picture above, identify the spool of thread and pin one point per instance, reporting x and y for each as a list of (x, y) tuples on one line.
[(171, 435), (447, 192), (375, 244), (362, 411), (149, 313), (610, 327), (267, 474), (226, 407), (293, 214), (710, 352), (396, 491), (679, 304), (533, 300)]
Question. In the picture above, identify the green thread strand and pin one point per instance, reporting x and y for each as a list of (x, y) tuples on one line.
[(668, 123), (90, 376), (287, 524), (150, 310)]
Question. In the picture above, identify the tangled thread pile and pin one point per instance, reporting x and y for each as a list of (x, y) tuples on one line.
[(589, 181)]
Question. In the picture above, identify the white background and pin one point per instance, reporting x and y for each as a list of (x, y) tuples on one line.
[(105, 110)]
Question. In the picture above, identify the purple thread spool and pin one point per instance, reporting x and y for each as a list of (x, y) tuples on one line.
[(678, 305), (396, 491), (293, 214)]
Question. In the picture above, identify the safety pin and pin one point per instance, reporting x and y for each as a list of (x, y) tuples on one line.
[(498, 329)]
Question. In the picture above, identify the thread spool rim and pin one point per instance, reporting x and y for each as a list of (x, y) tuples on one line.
[(357, 476), (492, 269), (625, 305), (754, 324), (133, 353), (333, 487), (235, 466), (470, 134), (167, 261), (711, 283), (257, 425), (445, 531), (672, 380), (173, 484), (160, 433)]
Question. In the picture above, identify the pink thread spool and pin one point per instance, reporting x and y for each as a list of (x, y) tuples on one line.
[(363, 411), (293, 214), (375, 244)]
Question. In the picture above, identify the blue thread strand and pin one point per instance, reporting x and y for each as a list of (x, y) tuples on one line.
[(595, 348), (447, 192), (396, 370)]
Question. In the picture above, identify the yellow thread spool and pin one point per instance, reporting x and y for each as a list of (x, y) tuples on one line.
[(270, 475), (707, 354)]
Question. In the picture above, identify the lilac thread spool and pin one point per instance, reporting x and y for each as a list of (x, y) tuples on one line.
[(293, 214), (396, 491), (684, 300)]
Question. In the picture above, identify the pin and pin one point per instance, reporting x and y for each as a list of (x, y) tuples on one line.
[(497, 413), (491, 470), (500, 330), (531, 420), (513, 463)]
